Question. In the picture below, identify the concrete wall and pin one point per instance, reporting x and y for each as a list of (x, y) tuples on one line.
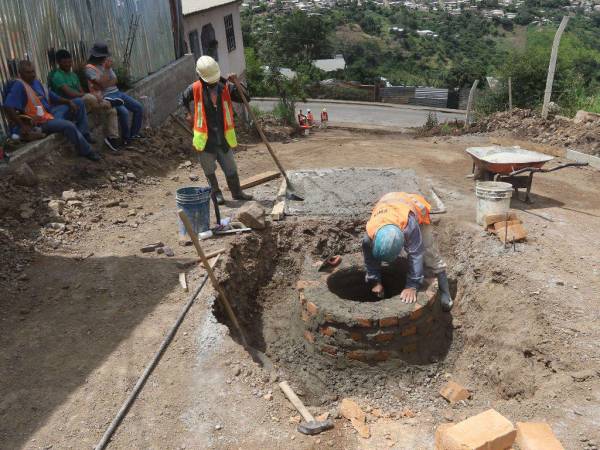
[(230, 62), (160, 91)]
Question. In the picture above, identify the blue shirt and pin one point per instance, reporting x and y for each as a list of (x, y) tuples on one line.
[(17, 96), (413, 245)]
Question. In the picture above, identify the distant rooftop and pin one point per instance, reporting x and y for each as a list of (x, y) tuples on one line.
[(194, 6), (329, 65)]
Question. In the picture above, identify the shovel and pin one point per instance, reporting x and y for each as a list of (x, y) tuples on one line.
[(291, 192)]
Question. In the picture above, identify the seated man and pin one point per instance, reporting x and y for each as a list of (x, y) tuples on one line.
[(401, 221), (102, 81), (65, 83), (48, 111)]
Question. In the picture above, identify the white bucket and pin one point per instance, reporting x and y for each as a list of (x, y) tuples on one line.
[(493, 197)]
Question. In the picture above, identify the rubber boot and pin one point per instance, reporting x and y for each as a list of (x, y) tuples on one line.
[(444, 287), (214, 185), (236, 191)]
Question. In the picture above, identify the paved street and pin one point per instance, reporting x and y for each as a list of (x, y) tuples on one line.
[(377, 116)]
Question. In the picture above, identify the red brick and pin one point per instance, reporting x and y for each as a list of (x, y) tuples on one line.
[(358, 355), (309, 336), (536, 436), (388, 322), (409, 348), (312, 309), (438, 435), (356, 336), (327, 331), (516, 232), (328, 317), (381, 355), (329, 349), (454, 392), (384, 337), (305, 316), (486, 431), (417, 312), (410, 330), (491, 219), (365, 323)]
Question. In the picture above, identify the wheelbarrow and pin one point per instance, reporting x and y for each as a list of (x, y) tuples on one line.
[(508, 164)]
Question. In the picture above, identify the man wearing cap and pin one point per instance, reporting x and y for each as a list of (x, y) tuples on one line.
[(400, 221), (102, 82), (212, 121)]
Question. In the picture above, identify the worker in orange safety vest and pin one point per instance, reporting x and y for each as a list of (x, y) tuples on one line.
[(310, 118), (324, 118), (400, 221), (213, 125)]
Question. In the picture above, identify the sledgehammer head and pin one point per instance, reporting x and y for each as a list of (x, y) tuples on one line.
[(315, 427)]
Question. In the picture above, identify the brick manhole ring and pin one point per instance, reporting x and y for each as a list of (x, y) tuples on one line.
[(343, 321)]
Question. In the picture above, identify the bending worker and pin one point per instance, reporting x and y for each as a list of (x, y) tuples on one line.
[(214, 129), (401, 221)]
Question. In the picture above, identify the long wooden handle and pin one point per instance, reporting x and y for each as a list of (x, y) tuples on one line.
[(260, 130), (292, 397), (211, 275)]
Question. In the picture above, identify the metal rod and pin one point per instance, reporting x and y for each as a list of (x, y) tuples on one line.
[(149, 368)]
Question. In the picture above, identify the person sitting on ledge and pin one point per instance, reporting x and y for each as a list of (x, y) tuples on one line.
[(48, 111)]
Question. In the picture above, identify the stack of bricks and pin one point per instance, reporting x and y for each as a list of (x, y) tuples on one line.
[(342, 333), (492, 431)]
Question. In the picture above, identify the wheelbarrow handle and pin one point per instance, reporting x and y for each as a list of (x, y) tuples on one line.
[(538, 169)]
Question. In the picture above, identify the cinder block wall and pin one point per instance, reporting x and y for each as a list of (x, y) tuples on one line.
[(160, 91)]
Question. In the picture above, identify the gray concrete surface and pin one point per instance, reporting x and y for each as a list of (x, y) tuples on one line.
[(382, 116)]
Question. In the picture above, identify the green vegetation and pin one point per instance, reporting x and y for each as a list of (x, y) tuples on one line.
[(383, 42)]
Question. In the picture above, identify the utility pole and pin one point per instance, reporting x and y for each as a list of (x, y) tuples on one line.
[(469, 117), (552, 66)]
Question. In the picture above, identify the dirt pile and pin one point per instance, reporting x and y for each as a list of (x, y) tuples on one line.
[(557, 131)]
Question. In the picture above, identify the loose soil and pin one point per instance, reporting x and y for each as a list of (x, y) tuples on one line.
[(83, 311)]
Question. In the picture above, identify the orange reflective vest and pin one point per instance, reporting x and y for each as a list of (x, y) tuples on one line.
[(324, 116), (200, 125), (33, 103), (393, 209)]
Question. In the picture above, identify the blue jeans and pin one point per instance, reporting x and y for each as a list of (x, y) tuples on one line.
[(74, 132), (80, 118), (136, 109)]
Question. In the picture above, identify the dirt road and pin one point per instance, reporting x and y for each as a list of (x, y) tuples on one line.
[(81, 321)]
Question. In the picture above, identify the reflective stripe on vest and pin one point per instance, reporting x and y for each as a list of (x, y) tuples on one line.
[(200, 125), (394, 208), (33, 101)]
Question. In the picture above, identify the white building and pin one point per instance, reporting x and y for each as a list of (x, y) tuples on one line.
[(213, 27)]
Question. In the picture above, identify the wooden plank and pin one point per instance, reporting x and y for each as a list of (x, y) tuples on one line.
[(183, 281), (260, 179), (278, 211)]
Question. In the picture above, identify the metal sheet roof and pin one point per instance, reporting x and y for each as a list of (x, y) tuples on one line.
[(194, 6)]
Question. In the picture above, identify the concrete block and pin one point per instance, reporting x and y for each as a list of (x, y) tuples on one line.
[(592, 160), (486, 431), (536, 436), (454, 392), (439, 433)]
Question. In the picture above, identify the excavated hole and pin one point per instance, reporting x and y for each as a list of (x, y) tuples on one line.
[(350, 284), (260, 279)]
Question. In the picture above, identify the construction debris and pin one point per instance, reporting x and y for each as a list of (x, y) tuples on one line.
[(454, 392), (508, 227), (351, 411), (183, 281), (260, 179), (252, 214), (149, 248)]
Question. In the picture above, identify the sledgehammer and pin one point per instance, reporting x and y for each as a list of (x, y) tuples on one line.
[(310, 426)]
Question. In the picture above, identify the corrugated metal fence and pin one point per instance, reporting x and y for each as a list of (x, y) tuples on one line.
[(34, 29), (410, 95)]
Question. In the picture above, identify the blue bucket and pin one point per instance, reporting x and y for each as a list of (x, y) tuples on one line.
[(195, 203)]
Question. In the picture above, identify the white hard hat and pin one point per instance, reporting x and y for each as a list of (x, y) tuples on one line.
[(324, 110), (208, 69), (308, 110)]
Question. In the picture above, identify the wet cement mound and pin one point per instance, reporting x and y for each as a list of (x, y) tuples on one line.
[(261, 278)]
